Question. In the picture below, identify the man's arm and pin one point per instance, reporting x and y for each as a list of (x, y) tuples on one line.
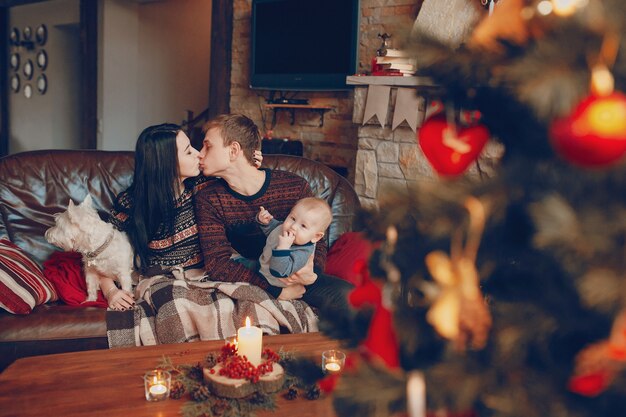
[(216, 249)]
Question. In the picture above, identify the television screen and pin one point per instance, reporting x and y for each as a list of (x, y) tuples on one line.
[(303, 44)]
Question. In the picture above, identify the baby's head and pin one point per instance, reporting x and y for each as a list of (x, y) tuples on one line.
[(308, 220)]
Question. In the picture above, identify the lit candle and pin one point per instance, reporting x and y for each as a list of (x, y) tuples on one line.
[(416, 394), (250, 343), (333, 367), (157, 389), (157, 385), (333, 360)]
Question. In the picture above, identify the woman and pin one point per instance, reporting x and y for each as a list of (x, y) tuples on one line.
[(156, 211)]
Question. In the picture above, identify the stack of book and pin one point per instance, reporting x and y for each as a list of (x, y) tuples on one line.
[(395, 62)]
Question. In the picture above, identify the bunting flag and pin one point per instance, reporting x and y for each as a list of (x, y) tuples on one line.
[(409, 107), (377, 103)]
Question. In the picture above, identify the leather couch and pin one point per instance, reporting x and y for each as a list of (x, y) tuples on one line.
[(36, 185)]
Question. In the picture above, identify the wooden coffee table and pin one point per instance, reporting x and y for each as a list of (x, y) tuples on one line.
[(110, 382)]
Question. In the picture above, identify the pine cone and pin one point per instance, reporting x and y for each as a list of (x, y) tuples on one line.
[(196, 372), (258, 398), (220, 406), (211, 360), (313, 393), (291, 394), (177, 390), (201, 393)]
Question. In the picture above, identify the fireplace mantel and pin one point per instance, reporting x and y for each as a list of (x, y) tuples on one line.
[(394, 81)]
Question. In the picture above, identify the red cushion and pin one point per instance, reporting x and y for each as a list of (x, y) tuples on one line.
[(65, 271), (349, 248), (22, 283)]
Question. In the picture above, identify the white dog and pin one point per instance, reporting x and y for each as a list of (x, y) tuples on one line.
[(106, 251)]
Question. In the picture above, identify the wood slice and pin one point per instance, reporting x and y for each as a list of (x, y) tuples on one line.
[(223, 386)]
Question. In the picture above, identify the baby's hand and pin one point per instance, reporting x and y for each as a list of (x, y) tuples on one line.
[(264, 216), (285, 239)]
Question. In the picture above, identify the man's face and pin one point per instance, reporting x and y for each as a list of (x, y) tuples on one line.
[(214, 156)]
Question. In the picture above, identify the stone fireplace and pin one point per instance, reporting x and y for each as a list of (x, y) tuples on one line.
[(391, 158)]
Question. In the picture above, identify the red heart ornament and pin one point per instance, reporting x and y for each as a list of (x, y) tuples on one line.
[(594, 135), (451, 150)]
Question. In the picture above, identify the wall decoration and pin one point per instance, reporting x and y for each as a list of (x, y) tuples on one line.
[(14, 61), (15, 83), (42, 84), (14, 37), (28, 33), (28, 69), (42, 59), (28, 91), (41, 34)]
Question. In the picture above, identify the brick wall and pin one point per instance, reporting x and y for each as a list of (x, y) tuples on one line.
[(335, 143)]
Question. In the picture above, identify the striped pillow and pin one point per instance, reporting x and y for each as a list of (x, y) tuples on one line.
[(22, 284)]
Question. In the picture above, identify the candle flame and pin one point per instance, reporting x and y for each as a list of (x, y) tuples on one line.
[(247, 322)]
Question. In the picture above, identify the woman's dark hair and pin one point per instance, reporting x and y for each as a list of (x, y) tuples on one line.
[(155, 187)]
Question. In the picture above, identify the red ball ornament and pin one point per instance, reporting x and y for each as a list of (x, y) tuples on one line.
[(451, 149), (594, 135)]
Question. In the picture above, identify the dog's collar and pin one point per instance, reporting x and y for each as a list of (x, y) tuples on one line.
[(101, 248)]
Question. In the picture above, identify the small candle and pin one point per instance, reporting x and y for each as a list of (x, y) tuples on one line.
[(158, 389), (333, 367), (333, 361), (157, 385), (250, 343)]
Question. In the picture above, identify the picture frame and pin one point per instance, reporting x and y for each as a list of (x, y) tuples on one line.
[(28, 69), (41, 34), (15, 83), (42, 59), (14, 36), (42, 84), (14, 61), (28, 33), (28, 91)]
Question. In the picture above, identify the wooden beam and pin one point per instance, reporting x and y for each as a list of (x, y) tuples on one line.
[(89, 72), (221, 56)]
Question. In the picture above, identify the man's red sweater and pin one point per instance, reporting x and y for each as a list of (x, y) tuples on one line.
[(227, 222)]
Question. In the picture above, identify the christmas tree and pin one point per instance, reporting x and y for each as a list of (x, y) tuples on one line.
[(505, 296)]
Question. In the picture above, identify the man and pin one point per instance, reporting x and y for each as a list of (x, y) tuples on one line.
[(226, 210)]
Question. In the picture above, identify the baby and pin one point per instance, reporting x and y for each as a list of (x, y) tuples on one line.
[(289, 246)]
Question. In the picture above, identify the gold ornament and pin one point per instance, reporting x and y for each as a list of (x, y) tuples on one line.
[(459, 313)]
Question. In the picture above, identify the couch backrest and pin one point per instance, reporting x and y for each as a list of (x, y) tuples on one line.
[(36, 185)]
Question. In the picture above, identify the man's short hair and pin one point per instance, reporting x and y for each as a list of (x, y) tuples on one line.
[(237, 128)]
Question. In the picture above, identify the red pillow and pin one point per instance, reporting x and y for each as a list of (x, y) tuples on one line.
[(349, 248), (65, 271), (22, 283)]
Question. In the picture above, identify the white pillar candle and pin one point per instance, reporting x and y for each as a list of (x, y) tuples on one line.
[(250, 342), (416, 394)]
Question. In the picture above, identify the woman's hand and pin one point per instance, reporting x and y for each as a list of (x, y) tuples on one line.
[(258, 158), (119, 299), (292, 292), (305, 276)]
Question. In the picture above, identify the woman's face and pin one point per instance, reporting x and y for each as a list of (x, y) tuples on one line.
[(188, 161)]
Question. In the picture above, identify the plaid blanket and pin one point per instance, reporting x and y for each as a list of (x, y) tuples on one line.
[(174, 310)]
